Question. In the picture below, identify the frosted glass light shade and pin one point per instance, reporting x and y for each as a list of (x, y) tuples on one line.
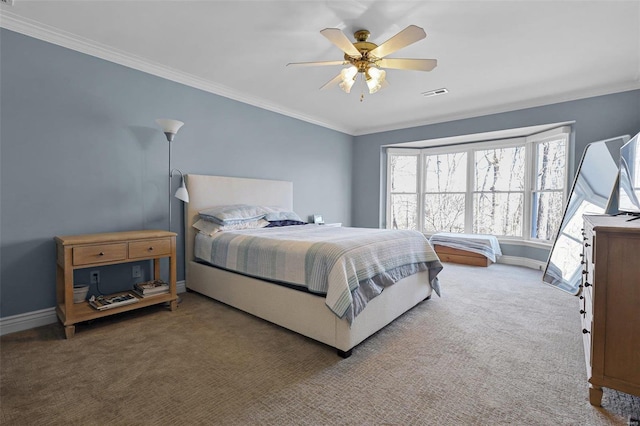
[(375, 80), (348, 76)]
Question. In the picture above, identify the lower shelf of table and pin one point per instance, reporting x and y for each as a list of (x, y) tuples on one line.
[(80, 312)]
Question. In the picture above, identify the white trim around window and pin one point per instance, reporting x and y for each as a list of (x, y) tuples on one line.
[(530, 143)]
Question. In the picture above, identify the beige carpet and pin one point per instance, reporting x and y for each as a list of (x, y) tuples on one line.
[(498, 348)]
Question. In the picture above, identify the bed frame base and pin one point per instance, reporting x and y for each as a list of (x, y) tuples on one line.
[(344, 354), (306, 313)]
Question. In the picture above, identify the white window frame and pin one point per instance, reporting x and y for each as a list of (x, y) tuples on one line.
[(529, 142)]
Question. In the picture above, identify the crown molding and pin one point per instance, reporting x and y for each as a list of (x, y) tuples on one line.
[(40, 31), (531, 103)]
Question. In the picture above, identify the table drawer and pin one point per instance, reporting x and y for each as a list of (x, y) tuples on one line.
[(85, 255), (148, 248)]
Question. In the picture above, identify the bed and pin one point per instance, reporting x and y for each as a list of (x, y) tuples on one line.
[(302, 312)]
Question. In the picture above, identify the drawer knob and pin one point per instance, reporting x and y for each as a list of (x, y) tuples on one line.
[(585, 331), (585, 272), (587, 245), (581, 255), (582, 311), (581, 297), (586, 284), (101, 253), (150, 248)]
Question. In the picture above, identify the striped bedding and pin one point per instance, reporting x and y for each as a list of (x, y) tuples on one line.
[(323, 259)]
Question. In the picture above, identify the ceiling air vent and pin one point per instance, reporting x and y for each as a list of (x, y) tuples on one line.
[(435, 92)]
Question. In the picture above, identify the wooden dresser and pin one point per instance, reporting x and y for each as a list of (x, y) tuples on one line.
[(610, 304)]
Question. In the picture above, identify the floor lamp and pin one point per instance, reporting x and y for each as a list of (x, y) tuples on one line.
[(170, 128)]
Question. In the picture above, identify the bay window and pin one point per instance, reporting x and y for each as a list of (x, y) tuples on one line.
[(512, 188)]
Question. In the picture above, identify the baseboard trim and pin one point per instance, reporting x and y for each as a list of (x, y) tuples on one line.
[(47, 316), (522, 261), (27, 321)]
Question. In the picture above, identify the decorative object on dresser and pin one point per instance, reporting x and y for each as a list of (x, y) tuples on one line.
[(610, 304), (170, 128), (94, 250)]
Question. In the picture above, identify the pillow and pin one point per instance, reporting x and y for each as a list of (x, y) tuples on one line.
[(209, 228), (274, 223), (282, 215), (233, 214)]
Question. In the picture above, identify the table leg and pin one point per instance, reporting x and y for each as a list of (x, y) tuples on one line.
[(595, 395), (69, 331)]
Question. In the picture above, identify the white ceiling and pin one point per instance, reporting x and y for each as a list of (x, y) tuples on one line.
[(493, 56)]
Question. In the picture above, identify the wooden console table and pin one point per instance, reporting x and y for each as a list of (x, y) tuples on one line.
[(95, 250)]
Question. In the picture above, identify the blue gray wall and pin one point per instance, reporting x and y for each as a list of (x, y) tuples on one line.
[(595, 119), (80, 153)]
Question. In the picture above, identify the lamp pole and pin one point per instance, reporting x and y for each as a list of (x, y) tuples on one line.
[(170, 128)]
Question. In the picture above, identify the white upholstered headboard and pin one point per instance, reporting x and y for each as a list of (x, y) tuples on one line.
[(210, 191)]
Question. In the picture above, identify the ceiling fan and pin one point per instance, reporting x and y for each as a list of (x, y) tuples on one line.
[(368, 59)]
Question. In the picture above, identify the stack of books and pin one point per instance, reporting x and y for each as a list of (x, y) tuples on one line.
[(151, 288), (113, 301)]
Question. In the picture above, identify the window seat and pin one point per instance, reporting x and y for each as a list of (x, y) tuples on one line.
[(467, 249)]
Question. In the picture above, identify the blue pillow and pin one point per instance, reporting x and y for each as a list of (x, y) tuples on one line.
[(275, 223)]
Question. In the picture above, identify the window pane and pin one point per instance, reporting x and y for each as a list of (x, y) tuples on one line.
[(443, 213), (403, 173), (498, 213), (550, 165), (445, 172), (403, 211), (501, 169), (545, 217)]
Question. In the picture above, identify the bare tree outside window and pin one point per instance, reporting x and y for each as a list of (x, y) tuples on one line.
[(548, 194), (445, 191), (498, 198), (404, 191)]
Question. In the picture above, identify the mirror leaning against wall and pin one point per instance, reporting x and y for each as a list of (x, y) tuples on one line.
[(593, 192)]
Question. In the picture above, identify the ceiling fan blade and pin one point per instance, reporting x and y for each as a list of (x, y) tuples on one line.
[(335, 80), (409, 35), (320, 63), (337, 37), (408, 64)]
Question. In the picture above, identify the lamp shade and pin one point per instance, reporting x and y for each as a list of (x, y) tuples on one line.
[(169, 126), (348, 76), (182, 193), (375, 79)]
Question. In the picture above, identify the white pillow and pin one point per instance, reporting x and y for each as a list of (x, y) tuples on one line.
[(280, 213), (210, 228), (232, 214)]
